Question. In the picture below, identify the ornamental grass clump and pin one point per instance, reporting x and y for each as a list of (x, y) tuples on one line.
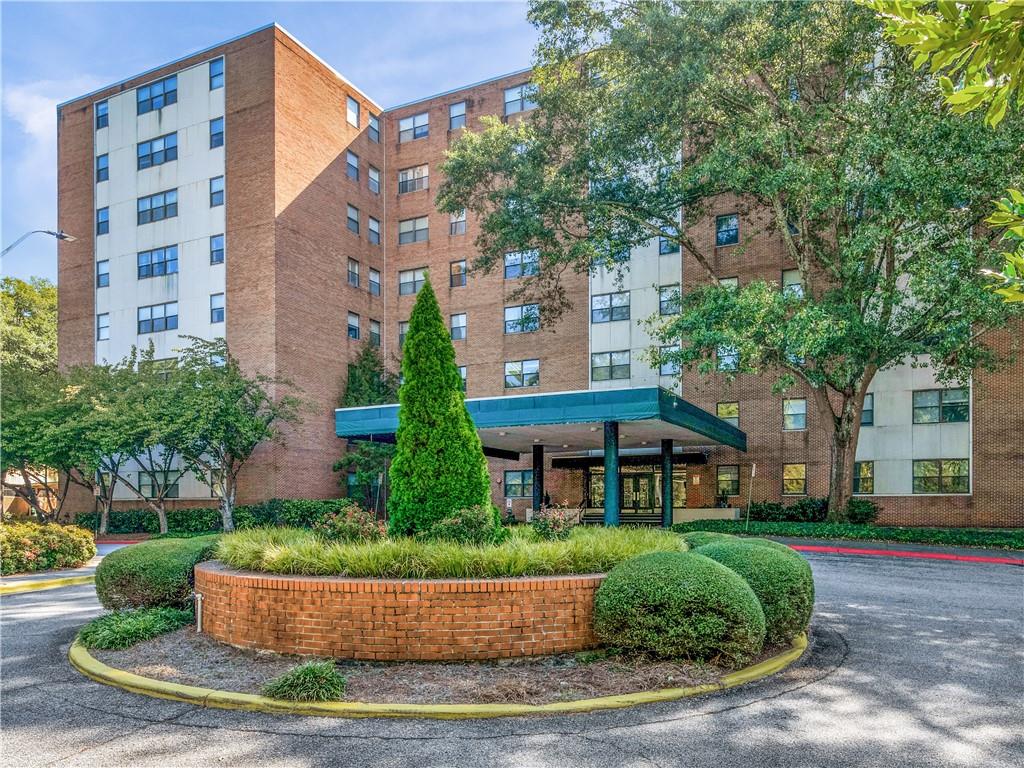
[(312, 681), (123, 629)]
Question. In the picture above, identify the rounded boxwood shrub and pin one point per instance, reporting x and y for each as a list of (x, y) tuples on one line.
[(696, 539), (679, 605), (776, 545), (27, 547), (781, 580), (152, 573)]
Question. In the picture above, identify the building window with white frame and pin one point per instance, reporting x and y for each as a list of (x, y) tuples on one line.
[(216, 74), (162, 149), (524, 318), (352, 111), (217, 308), (103, 273), (403, 331), (375, 333), (521, 264), (353, 326), (216, 191), (522, 373), (373, 230), (217, 132), (373, 180), (353, 273), (668, 300), (457, 274), (607, 307), (352, 219), (609, 366), (411, 280), (216, 249), (352, 165), (794, 479), (158, 317), (794, 414), (728, 480), (729, 283), (413, 179), (458, 327), (792, 285), (520, 98), (373, 130), (457, 223), (456, 116), (157, 95), (941, 406), (727, 229), (669, 363), (413, 231), (415, 127), (103, 327), (374, 282)]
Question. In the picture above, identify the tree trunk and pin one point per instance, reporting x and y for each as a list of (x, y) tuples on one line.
[(161, 515), (227, 506), (843, 455)]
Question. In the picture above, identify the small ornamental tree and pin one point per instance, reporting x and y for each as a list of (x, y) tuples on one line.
[(439, 465)]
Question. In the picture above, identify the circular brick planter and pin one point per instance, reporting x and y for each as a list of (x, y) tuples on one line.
[(398, 619)]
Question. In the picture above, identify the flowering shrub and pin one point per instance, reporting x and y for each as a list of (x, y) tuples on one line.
[(474, 525), (33, 547), (553, 522), (350, 523)]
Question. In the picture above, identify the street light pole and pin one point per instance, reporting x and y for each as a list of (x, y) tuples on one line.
[(60, 234)]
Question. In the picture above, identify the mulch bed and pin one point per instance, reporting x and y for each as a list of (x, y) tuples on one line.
[(190, 658)]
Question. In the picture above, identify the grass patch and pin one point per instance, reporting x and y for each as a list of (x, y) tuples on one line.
[(587, 550), (312, 681), (950, 537), (123, 629)]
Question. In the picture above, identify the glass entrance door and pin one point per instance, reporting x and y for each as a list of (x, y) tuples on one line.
[(638, 491)]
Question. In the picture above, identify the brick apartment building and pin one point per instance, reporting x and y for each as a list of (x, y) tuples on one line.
[(250, 191)]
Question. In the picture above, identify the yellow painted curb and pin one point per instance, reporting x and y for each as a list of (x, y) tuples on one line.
[(33, 586), (96, 670)]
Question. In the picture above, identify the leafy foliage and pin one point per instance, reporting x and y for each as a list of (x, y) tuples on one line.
[(780, 578), (350, 523), (152, 574), (26, 547), (861, 511), (123, 629), (806, 510), (312, 681), (439, 463), (679, 605), (28, 315), (553, 522), (477, 525)]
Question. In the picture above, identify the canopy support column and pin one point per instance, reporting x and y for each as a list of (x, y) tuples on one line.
[(538, 477), (666, 483), (611, 473)]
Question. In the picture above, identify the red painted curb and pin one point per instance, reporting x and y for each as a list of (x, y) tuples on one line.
[(907, 553)]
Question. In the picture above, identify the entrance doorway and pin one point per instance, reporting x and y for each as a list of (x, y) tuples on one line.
[(638, 492)]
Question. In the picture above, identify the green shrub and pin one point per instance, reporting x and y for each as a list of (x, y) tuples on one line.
[(152, 573), (554, 522), (312, 681), (778, 546), (587, 550), (807, 510), (351, 523), (781, 580), (477, 525), (27, 547), (439, 465), (123, 629), (768, 511), (679, 605), (696, 539), (861, 511)]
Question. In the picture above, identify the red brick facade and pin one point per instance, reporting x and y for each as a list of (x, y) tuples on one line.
[(398, 620)]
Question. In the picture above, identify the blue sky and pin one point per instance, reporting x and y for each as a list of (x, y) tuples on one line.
[(52, 52)]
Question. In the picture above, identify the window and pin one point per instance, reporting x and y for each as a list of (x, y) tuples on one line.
[(373, 230), (729, 412), (217, 249), (457, 274), (156, 151), (727, 229), (867, 413), (521, 264), (605, 366), (410, 281), (103, 273), (374, 129), (863, 477), (794, 479), (524, 318), (413, 179), (520, 98), (169, 486), (462, 375), (413, 230), (353, 273), (731, 283), (791, 284), (102, 221), (456, 116), (158, 317), (373, 180), (403, 331), (935, 406), (669, 367), (667, 245), (217, 132), (157, 95), (103, 168), (216, 191), (217, 308), (457, 224), (216, 74), (518, 483), (157, 262), (102, 327), (942, 476), (352, 219), (728, 358), (352, 165), (415, 127), (522, 373), (794, 413), (728, 480), (668, 300), (375, 333), (102, 114), (458, 327), (374, 282), (353, 326), (352, 111), (606, 307)]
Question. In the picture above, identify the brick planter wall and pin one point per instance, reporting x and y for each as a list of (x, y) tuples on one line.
[(398, 619)]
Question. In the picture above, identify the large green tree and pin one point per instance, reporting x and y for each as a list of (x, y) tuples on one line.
[(439, 465), (29, 324), (802, 118)]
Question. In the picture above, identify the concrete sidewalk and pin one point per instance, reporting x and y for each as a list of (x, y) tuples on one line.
[(41, 577), (896, 548)]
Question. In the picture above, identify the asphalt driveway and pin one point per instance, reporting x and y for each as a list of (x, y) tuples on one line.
[(913, 663)]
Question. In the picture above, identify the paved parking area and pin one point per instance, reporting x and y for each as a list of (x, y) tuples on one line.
[(914, 663)]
